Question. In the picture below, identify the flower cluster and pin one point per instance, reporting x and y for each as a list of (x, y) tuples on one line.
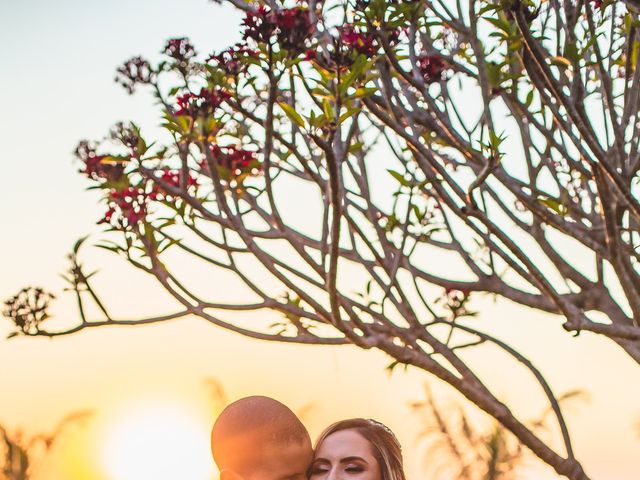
[(180, 49), (432, 68), (232, 59), (235, 162), (290, 26), (599, 4), (173, 178), (127, 207), (135, 71), (456, 301), (362, 42), (294, 28), (347, 45), (127, 134), (203, 104), (28, 309), (98, 167), (258, 25), (130, 205)]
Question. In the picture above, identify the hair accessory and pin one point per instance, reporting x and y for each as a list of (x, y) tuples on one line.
[(384, 427)]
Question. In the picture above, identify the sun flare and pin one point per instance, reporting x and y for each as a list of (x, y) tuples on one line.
[(159, 441)]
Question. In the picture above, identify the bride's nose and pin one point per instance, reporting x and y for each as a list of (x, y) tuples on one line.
[(333, 474)]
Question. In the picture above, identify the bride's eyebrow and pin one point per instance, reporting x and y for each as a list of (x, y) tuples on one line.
[(351, 459)]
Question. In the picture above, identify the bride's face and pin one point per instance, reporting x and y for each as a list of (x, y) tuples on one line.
[(345, 455)]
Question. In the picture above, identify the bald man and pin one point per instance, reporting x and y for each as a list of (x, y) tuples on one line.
[(259, 438)]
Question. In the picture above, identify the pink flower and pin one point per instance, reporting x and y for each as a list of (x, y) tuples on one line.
[(291, 27), (174, 179), (126, 207), (135, 71), (233, 59), (97, 167), (179, 49), (432, 67), (294, 28), (362, 42), (234, 162), (204, 103), (258, 25)]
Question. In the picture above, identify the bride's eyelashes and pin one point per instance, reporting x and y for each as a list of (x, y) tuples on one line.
[(354, 468), (318, 469)]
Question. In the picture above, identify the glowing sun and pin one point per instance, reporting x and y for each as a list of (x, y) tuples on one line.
[(157, 442)]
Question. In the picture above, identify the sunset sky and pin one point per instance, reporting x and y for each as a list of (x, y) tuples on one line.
[(57, 63)]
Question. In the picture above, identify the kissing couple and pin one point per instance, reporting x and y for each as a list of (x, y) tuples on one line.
[(259, 438)]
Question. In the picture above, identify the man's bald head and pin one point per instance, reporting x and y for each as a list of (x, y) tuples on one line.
[(258, 433)]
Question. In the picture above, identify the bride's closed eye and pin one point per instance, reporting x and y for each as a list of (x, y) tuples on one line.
[(322, 468), (354, 468), (318, 468)]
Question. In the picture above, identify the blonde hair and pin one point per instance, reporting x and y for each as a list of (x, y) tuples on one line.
[(384, 444)]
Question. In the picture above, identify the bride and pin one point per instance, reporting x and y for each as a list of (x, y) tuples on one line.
[(358, 449)]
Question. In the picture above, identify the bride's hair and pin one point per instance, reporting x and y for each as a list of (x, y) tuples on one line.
[(384, 444)]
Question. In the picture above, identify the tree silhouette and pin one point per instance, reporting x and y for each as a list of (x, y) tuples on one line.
[(509, 130)]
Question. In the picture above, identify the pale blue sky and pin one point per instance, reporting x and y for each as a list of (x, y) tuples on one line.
[(58, 61)]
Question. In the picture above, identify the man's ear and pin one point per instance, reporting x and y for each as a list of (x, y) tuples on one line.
[(228, 474)]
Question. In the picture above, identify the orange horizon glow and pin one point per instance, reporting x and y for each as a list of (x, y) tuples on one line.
[(156, 439)]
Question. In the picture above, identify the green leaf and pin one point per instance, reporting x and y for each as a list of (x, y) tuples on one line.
[(364, 92), (211, 124), (326, 75), (294, 116), (394, 364), (589, 44), (350, 112), (116, 159), (170, 243), (561, 62), (356, 70), (78, 244), (399, 177), (499, 23), (184, 123), (529, 99), (571, 52), (634, 55), (142, 146), (417, 213), (355, 147), (494, 73), (515, 45), (171, 126), (496, 140), (111, 248), (554, 205), (327, 108), (488, 8), (316, 121)]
